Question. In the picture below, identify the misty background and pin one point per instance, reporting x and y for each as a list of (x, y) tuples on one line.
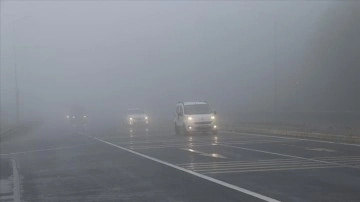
[(276, 56)]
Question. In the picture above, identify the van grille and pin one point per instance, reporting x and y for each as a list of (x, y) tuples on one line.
[(203, 122)]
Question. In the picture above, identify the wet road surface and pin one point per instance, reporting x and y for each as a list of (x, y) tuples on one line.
[(62, 164)]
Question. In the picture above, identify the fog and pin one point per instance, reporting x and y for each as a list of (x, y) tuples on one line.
[(239, 56)]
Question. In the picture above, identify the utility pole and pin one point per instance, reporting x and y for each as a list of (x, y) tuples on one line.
[(0, 69), (274, 67), (17, 96), (297, 95), (16, 79)]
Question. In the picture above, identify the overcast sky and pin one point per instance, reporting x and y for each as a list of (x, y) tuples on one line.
[(114, 55)]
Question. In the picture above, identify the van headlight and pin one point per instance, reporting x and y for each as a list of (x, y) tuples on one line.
[(130, 118), (189, 118), (146, 118), (212, 117)]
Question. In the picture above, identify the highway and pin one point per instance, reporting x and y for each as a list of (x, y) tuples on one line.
[(57, 163)]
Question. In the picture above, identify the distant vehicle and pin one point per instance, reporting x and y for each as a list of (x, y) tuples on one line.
[(194, 117), (77, 116), (136, 117)]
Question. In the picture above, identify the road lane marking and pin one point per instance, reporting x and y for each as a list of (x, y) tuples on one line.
[(164, 146), (146, 141), (135, 136), (309, 148), (338, 157), (347, 160), (225, 184), (230, 162), (251, 166), (160, 145), (214, 155), (321, 149), (275, 169), (275, 163), (286, 155), (254, 141), (42, 150), (290, 138), (182, 141), (268, 164)]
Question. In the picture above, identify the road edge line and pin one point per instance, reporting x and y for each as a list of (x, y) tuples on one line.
[(225, 184)]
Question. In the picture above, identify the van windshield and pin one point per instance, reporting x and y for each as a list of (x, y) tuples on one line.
[(197, 109)]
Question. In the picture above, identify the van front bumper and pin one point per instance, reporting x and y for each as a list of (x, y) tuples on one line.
[(201, 128)]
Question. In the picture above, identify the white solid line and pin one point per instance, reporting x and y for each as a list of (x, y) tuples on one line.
[(291, 138), (225, 184), (16, 182), (286, 155)]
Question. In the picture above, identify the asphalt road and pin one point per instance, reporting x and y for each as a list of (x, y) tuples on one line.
[(58, 163)]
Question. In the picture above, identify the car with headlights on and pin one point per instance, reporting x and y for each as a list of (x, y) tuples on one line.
[(136, 117), (193, 117), (77, 116)]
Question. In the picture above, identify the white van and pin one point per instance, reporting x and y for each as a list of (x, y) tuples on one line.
[(191, 117)]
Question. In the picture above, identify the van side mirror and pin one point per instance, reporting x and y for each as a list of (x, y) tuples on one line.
[(214, 112)]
